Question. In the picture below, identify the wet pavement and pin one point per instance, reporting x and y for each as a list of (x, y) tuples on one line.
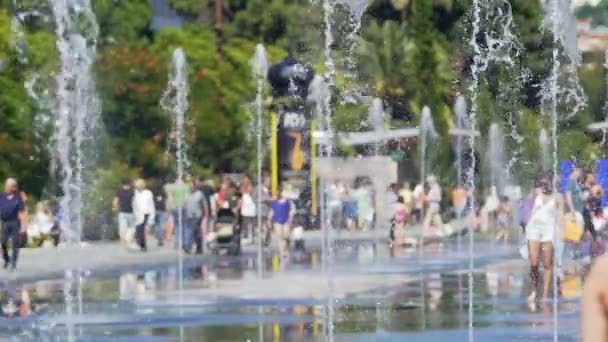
[(379, 295)]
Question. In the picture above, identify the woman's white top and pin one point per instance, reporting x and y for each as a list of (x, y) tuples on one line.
[(143, 203)]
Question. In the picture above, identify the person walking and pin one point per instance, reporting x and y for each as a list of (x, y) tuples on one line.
[(123, 205), (365, 213), (248, 209), (432, 218), (144, 210), (196, 216), (12, 211), (161, 215), (408, 195), (540, 232), (177, 191), (335, 200), (592, 195), (280, 218), (418, 195), (574, 198), (209, 190), (264, 202)]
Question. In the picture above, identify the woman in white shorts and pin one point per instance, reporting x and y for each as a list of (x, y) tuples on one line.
[(540, 233)]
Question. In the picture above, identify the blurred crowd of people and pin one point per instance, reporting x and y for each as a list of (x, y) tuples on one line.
[(191, 203)]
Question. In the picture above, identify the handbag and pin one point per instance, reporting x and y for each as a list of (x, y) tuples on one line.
[(573, 228)]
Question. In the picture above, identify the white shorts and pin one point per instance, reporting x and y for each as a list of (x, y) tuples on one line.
[(540, 232)]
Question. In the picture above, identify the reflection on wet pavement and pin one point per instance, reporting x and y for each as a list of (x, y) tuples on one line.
[(428, 303)]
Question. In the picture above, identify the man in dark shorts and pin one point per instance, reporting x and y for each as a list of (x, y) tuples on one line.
[(12, 207), (123, 205)]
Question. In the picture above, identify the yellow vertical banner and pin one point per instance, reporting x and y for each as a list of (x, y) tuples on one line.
[(276, 332), (274, 158), (313, 172)]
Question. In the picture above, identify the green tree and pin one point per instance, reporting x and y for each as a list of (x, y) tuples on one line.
[(220, 88), (384, 55), (133, 81), (17, 113), (429, 73), (123, 22), (597, 13)]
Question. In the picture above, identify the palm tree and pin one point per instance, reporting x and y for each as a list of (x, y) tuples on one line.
[(383, 53)]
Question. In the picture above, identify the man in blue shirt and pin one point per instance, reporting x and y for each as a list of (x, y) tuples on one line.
[(575, 201), (12, 207)]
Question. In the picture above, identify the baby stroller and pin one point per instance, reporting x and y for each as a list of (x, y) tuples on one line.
[(227, 233)]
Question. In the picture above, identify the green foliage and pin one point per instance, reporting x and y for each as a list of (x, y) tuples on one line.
[(17, 111), (123, 22), (593, 81), (204, 10), (577, 145), (192, 8), (220, 88), (410, 53), (384, 55), (598, 13), (278, 22), (133, 82)]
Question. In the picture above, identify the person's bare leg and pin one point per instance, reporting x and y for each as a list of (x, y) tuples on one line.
[(533, 253), (547, 248), (594, 321), (483, 219), (438, 222), (498, 235), (286, 236)]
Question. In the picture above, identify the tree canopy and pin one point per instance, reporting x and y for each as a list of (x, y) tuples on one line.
[(409, 53)]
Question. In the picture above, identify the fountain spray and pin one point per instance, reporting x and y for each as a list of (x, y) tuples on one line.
[(496, 156), (562, 90), (427, 131), (545, 150), (77, 107), (330, 71), (492, 41), (356, 10), (175, 101), (260, 70)]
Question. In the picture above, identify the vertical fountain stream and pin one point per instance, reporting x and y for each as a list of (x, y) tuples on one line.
[(175, 101), (544, 143), (462, 133), (496, 157), (77, 106), (427, 132), (76, 112), (477, 67), (462, 124), (377, 121), (330, 71), (259, 64), (491, 42), (562, 95), (356, 8)]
